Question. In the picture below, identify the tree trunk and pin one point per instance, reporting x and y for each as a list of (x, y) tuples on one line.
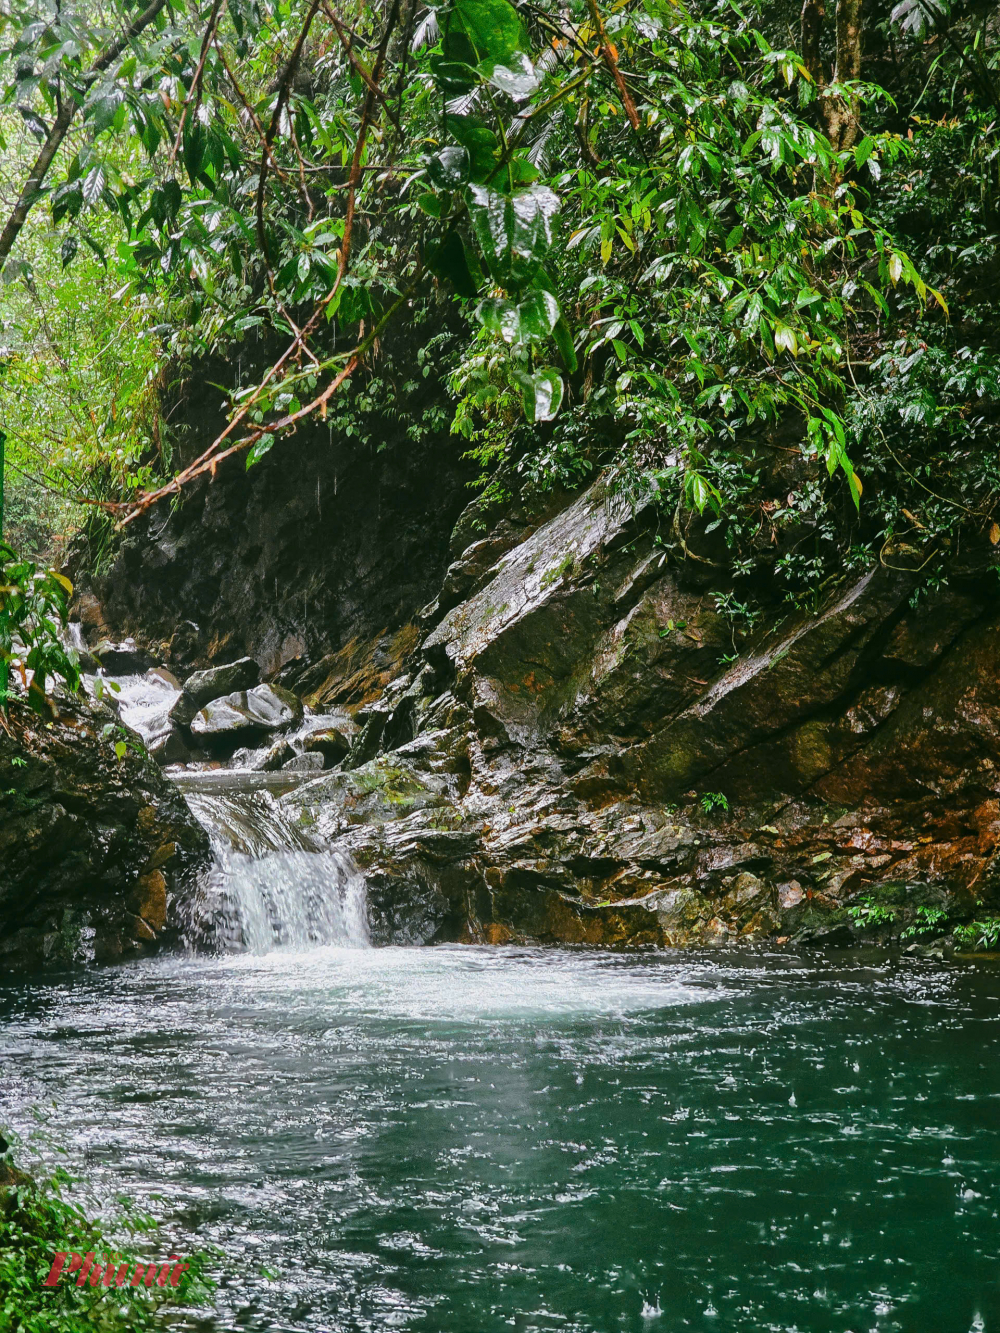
[(838, 115)]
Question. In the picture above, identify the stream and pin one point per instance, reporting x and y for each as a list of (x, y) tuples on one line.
[(469, 1140)]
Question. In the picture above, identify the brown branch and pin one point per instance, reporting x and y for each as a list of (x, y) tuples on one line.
[(210, 459), (608, 52), (254, 118), (284, 91), (357, 65), (60, 128), (354, 179), (196, 82)]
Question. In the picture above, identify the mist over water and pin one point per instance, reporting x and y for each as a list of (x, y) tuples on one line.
[(458, 1139)]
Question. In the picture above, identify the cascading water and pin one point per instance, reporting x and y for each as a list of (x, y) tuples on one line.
[(271, 886)]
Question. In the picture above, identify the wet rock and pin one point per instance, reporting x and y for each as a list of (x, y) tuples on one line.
[(97, 854), (164, 675), (170, 748), (267, 760), (185, 643), (247, 712), (204, 687), (377, 792), (224, 720), (331, 743), (122, 659), (313, 762), (273, 707)]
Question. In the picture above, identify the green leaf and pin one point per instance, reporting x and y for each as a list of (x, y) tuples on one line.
[(521, 324), (432, 204), (450, 260), (493, 28), (68, 249), (541, 393), (700, 494), (563, 335), (102, 112), (258, 451), (514, 227), (481, 144), (93, 185), (517, 80), (864, 150), (67, 200), (449, 169)]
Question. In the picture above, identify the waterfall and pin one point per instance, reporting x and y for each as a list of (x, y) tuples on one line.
[(270, 887)]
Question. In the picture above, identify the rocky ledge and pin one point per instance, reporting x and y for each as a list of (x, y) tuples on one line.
[(97, 847)]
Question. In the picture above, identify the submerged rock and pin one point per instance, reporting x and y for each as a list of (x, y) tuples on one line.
[(96, 852)]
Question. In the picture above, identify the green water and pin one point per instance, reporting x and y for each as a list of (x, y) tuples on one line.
[(463, 1140)]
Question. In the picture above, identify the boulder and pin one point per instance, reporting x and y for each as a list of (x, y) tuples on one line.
[(332, 744), (170, 748), (122, 659), (245, 713), (204, 687), (266, 760), (97, 854), (274, 707), (305, 763)]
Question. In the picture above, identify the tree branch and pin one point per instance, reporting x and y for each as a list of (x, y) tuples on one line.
[(60, 127)]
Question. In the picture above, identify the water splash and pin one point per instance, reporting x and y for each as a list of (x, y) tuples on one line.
[(142, 702)]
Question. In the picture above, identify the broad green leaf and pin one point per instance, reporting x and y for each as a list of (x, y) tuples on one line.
[(258, 451), (518, 80), (449, 169), (492, 27), (541, 393), (479, 141), (93, 185), (450, 260)]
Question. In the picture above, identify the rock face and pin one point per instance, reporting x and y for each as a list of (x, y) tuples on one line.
[(327, 538), (572, 756), (561, 744), (95, 852)]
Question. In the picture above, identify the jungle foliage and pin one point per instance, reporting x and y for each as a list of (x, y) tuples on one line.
[(740, 254), (40, 1219)]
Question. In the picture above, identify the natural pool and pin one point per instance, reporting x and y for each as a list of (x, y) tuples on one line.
[(468, 1139)]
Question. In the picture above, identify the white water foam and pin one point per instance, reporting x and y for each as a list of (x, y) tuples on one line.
[(142, 702)]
